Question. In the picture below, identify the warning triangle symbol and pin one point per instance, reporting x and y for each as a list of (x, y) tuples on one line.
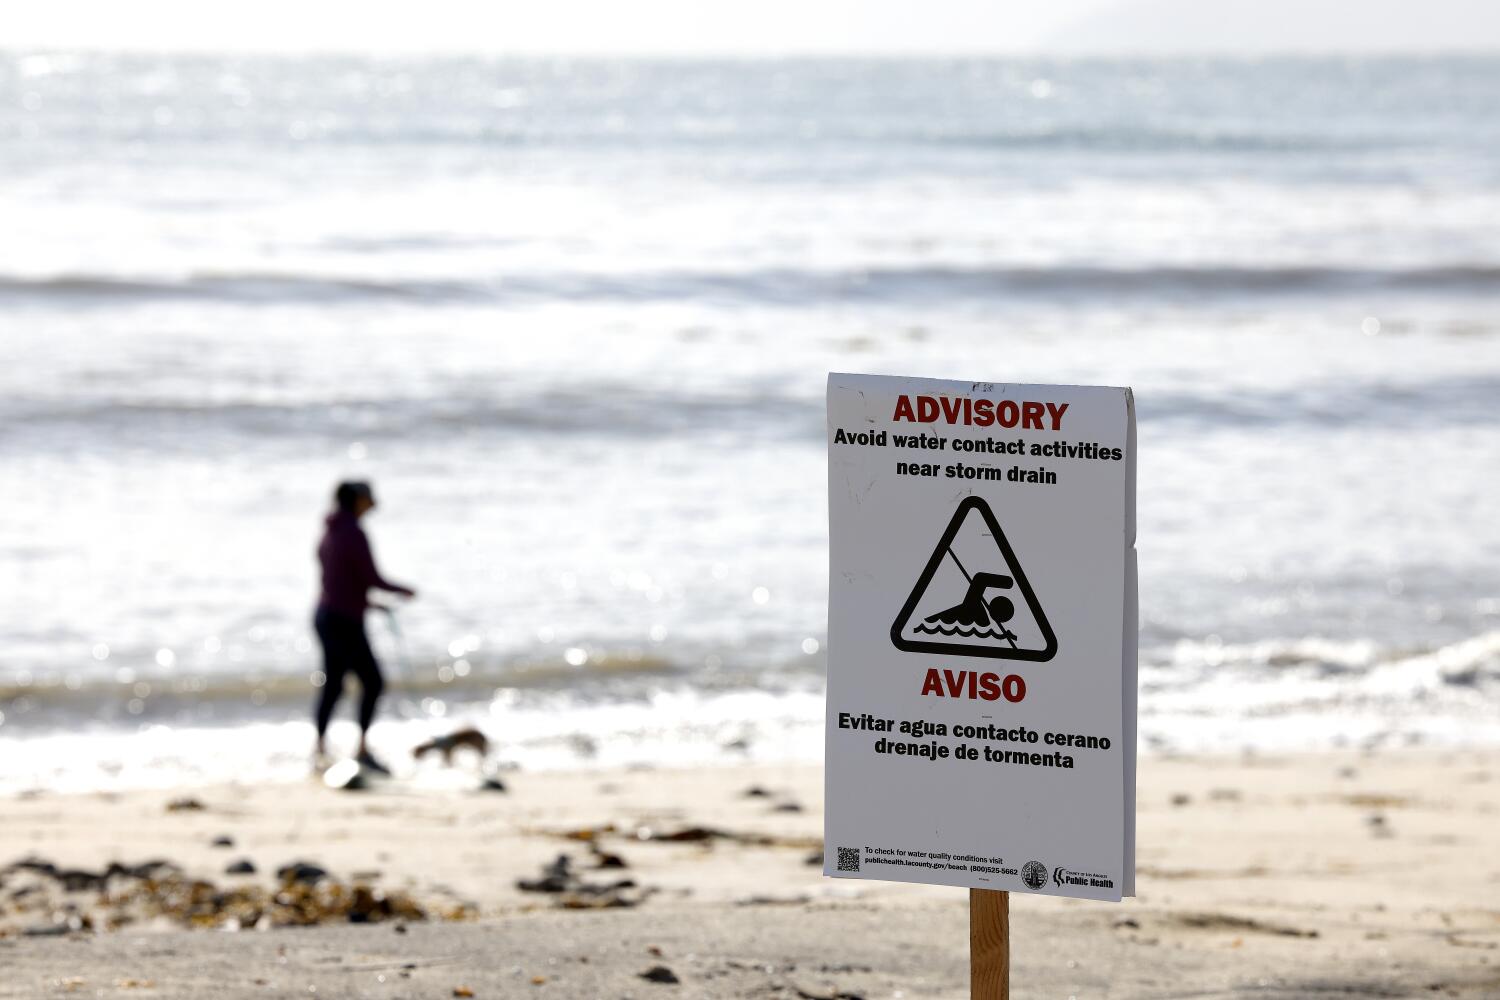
[(973, 598)]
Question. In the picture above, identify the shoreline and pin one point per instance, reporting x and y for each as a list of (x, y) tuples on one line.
[(734, 729), (1280, 875)]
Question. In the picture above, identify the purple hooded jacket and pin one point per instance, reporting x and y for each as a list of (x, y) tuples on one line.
[(348, 567)]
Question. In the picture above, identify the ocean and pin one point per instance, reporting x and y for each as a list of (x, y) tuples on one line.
[(573, 318)]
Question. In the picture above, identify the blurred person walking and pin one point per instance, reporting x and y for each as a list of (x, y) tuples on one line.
[(348, 574)]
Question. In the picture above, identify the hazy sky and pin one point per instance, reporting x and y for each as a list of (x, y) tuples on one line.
[(762, 26)]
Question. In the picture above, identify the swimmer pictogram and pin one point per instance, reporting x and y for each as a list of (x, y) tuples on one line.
[(972, 598)]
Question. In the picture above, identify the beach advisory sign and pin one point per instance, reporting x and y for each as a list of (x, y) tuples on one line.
[(981, 635)]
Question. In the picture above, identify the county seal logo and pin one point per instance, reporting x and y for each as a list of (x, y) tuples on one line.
[(1034, 874)]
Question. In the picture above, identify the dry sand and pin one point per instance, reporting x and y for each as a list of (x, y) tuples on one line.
[(1318, 876)]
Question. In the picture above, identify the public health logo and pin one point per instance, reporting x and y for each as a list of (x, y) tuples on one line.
[(1034, 874)]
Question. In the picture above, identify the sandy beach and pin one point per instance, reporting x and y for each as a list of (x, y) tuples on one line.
[(1315, 875)]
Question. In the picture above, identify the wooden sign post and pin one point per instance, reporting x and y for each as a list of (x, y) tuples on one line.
[(989, 944)]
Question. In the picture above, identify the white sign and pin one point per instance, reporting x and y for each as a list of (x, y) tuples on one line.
[(981, 635)]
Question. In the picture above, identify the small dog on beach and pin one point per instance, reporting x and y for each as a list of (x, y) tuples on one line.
[(446, 745)]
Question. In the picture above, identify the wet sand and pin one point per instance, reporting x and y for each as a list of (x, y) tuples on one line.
[(1323, 875)]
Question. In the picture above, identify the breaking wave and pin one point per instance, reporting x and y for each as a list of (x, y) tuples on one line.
[(783, 286)]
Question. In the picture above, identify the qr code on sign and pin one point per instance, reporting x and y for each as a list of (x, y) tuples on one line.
[(848, 859)]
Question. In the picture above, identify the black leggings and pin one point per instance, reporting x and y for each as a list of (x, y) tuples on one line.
[(346, 649)]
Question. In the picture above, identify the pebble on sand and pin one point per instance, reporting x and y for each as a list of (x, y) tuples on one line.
[(660, 974), (301, 873)]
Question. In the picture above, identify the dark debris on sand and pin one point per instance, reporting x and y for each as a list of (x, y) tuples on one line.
[(660, 974), (40, 898), (572, 892), (301, 872), (682, 835)]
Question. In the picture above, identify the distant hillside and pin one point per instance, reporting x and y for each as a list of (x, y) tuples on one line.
[(1256, 26)]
